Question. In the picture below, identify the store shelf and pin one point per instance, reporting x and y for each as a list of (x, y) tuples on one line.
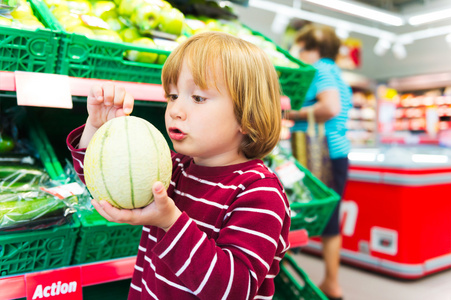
[(81, 87), (13, 287), (95, 273)]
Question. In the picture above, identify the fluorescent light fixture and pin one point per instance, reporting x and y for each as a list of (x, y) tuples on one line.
[(430, 17), (280, 23), (342, 33), (291, 12), (361, 156), (361, 11), (381, 47), (429, 158), (399, 51)]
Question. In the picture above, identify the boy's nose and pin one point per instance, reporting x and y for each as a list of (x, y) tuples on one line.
[(176, 110)]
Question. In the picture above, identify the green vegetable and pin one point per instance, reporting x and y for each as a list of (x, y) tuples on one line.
[(20, 178), (19, 212), (6, 143)]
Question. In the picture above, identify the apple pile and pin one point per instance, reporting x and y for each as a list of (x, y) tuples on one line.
[(21, 17), (129, 21)]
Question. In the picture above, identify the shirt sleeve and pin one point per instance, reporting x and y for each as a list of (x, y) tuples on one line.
[(325, 80), (78, 155), (249, 247)]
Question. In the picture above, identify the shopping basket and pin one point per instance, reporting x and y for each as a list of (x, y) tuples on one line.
[(292, 283)]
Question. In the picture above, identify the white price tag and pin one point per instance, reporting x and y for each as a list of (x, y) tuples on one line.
[(44, 90), (289, 173), (64, 191)]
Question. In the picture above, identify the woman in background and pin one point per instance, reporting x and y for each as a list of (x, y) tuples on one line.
[(330, 99)]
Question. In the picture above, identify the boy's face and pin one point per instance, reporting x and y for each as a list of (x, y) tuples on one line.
[(202, 123)]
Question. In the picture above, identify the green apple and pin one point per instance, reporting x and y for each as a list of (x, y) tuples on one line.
[(5, 21), (146, 57), (115, 24), (171, 21), (127, 7), (104, 9), (79, 6), (22, 11), (69, 21), (51, 3), (107, 35), (60, 11), (146, 16), (167, 45), (129, 34), (83, 30), (31, 24)]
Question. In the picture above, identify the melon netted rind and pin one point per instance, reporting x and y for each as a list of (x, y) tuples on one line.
[(125, 157)]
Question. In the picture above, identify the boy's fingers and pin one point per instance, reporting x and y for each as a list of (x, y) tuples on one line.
[(128, 104), (96, 93), (108, 93), (100, 209), (119, 96)]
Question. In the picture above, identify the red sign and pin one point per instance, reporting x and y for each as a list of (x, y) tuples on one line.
[(55, 284)]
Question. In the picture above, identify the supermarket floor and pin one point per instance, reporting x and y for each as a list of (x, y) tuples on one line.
[(359, 284)]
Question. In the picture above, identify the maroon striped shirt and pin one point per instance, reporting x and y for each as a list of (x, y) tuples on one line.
[(227, 244)]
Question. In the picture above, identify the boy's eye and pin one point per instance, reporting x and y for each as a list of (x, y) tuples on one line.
[(171, 97), (197, 98)]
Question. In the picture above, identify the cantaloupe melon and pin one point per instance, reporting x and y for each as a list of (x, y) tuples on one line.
[(124, 159)]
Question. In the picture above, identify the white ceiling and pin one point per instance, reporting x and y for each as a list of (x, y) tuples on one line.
[(425, 53)]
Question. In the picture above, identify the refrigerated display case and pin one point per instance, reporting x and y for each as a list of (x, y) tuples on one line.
[(395, 212)]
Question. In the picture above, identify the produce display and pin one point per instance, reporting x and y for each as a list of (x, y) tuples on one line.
[(291, 177), (123, 159), (25, 202), (155, 24), (18, 14)]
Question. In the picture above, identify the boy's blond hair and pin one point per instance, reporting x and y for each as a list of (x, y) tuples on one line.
[(249, 77)]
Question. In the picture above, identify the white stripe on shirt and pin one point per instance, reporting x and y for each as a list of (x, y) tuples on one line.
[(257, 210), (207, 276), (254, 232), (232, 271), (176, 239), (188, 261)]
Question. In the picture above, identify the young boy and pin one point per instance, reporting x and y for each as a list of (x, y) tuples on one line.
[(221, 228)]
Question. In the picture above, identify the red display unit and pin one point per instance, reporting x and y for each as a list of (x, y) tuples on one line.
[(396, 212)]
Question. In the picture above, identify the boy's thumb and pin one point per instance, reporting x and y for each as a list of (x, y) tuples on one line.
[(158, 187)]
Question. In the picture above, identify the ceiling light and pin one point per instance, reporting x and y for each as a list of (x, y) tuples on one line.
[(361, 11), (381, 47), (342, 33), (280, 23), (430, 17), (448, 39), (399, 51)]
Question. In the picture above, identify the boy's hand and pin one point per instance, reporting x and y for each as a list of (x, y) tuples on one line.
[(162, 212), (104, 103), (107, 102)]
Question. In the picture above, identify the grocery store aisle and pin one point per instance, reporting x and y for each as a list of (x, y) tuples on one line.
[(359, 284)]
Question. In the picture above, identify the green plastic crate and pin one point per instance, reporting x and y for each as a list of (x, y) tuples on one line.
[(83, 57), (100, 239), (29, 50), (45, 151), (294, 81), (293, 283), (314, 215), (36, 250)]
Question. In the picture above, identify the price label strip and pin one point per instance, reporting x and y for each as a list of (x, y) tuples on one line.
[(43, 90)]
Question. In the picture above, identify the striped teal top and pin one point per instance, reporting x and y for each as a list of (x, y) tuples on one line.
[(328, 77)]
